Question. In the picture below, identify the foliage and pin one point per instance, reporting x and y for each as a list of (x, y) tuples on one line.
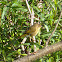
[(15, 20)]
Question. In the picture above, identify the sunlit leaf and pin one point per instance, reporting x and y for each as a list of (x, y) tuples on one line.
[(15, 5), (47, 28)]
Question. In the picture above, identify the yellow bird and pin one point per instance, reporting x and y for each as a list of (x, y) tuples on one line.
[(32, 31)]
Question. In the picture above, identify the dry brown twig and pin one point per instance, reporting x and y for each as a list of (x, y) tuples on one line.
[(32, 21), (53, 30), (28, 6)]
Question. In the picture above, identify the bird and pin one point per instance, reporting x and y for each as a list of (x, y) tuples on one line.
[(32, 31)]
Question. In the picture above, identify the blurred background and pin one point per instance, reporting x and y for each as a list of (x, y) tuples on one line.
[(15, 19)]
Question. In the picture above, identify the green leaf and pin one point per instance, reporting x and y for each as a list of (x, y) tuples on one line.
[(26, 44), (35, 7), (48, 15), (22, 9), (24, 54), (4, 12), (46, 28), (19, 50), (16, 5)]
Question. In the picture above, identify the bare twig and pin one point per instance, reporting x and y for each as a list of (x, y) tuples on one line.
[(23, 43), (34, 40), (28, 6), (54, 29), (32, 21), (32, 17)]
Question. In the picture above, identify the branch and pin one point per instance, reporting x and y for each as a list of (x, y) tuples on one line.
[(54, 29), (28, 7), (41, 53)]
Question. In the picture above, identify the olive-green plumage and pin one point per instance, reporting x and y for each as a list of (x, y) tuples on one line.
[(33, 30)]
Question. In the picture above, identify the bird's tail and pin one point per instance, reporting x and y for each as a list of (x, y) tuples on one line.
[(22, 36)]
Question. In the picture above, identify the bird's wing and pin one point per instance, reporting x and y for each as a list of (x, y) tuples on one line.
[(31, 30)]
